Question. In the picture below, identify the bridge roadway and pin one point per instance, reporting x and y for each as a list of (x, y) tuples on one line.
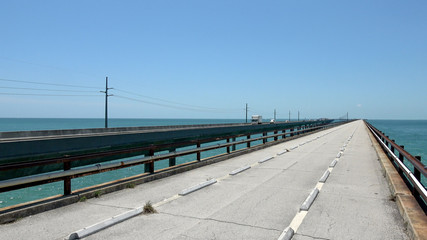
[(258, 203)]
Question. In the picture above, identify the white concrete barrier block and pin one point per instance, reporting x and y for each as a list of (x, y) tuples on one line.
[(265, 159), (239, 170), (325, 176), (310, 199), (287, 234), (104, 224), (333, 163), (197, 187), (282, 152)]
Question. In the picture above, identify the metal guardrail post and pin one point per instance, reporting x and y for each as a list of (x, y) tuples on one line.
[(275, 138), (400, 171), (248, 145), (292, 132), (417, 173), (172, 161), (392, 147), (228, 147), (264, 140), (233, 148), (198, 153), (149, 167), (67, 180), (284, 135)]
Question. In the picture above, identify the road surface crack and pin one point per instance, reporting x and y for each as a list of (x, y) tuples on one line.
[(313, 237), (222, 221)]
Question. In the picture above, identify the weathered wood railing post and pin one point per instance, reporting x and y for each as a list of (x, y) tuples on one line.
[(275, 132), (264, 140), (233, 148)]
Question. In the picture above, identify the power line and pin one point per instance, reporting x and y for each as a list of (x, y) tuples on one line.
[(44, 83), (48, 95), (175, 103), (165, 105), (44, 89)]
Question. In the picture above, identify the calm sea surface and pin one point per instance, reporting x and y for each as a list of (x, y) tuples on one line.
[(411, 134)]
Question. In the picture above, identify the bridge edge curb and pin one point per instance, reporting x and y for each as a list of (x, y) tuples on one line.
[(409, 209)]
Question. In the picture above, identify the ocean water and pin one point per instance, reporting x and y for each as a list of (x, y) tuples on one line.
[(411, 134)]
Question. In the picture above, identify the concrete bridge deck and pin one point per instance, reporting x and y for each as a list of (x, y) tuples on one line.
[(258, 203)]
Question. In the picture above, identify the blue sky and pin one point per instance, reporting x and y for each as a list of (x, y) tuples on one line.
[(207, 59)]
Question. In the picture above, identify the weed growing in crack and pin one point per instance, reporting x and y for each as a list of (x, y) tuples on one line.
[(98, 194), (148, 208)]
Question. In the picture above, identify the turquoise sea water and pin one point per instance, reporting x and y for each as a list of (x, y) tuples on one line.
[(412, 134)]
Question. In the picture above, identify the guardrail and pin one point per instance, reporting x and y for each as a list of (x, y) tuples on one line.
[(412, 179), (69, 173)]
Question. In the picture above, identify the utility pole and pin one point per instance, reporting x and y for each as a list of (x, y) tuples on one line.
[(246, 112), (298, 115), (106, 101), (289, 115), (347, 116)]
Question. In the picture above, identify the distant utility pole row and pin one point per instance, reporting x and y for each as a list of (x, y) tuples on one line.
[(246, 110)]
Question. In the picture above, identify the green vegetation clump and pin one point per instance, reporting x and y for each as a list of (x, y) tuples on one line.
[(148, 208), (98, 194), (82, 199), (130, 185)]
